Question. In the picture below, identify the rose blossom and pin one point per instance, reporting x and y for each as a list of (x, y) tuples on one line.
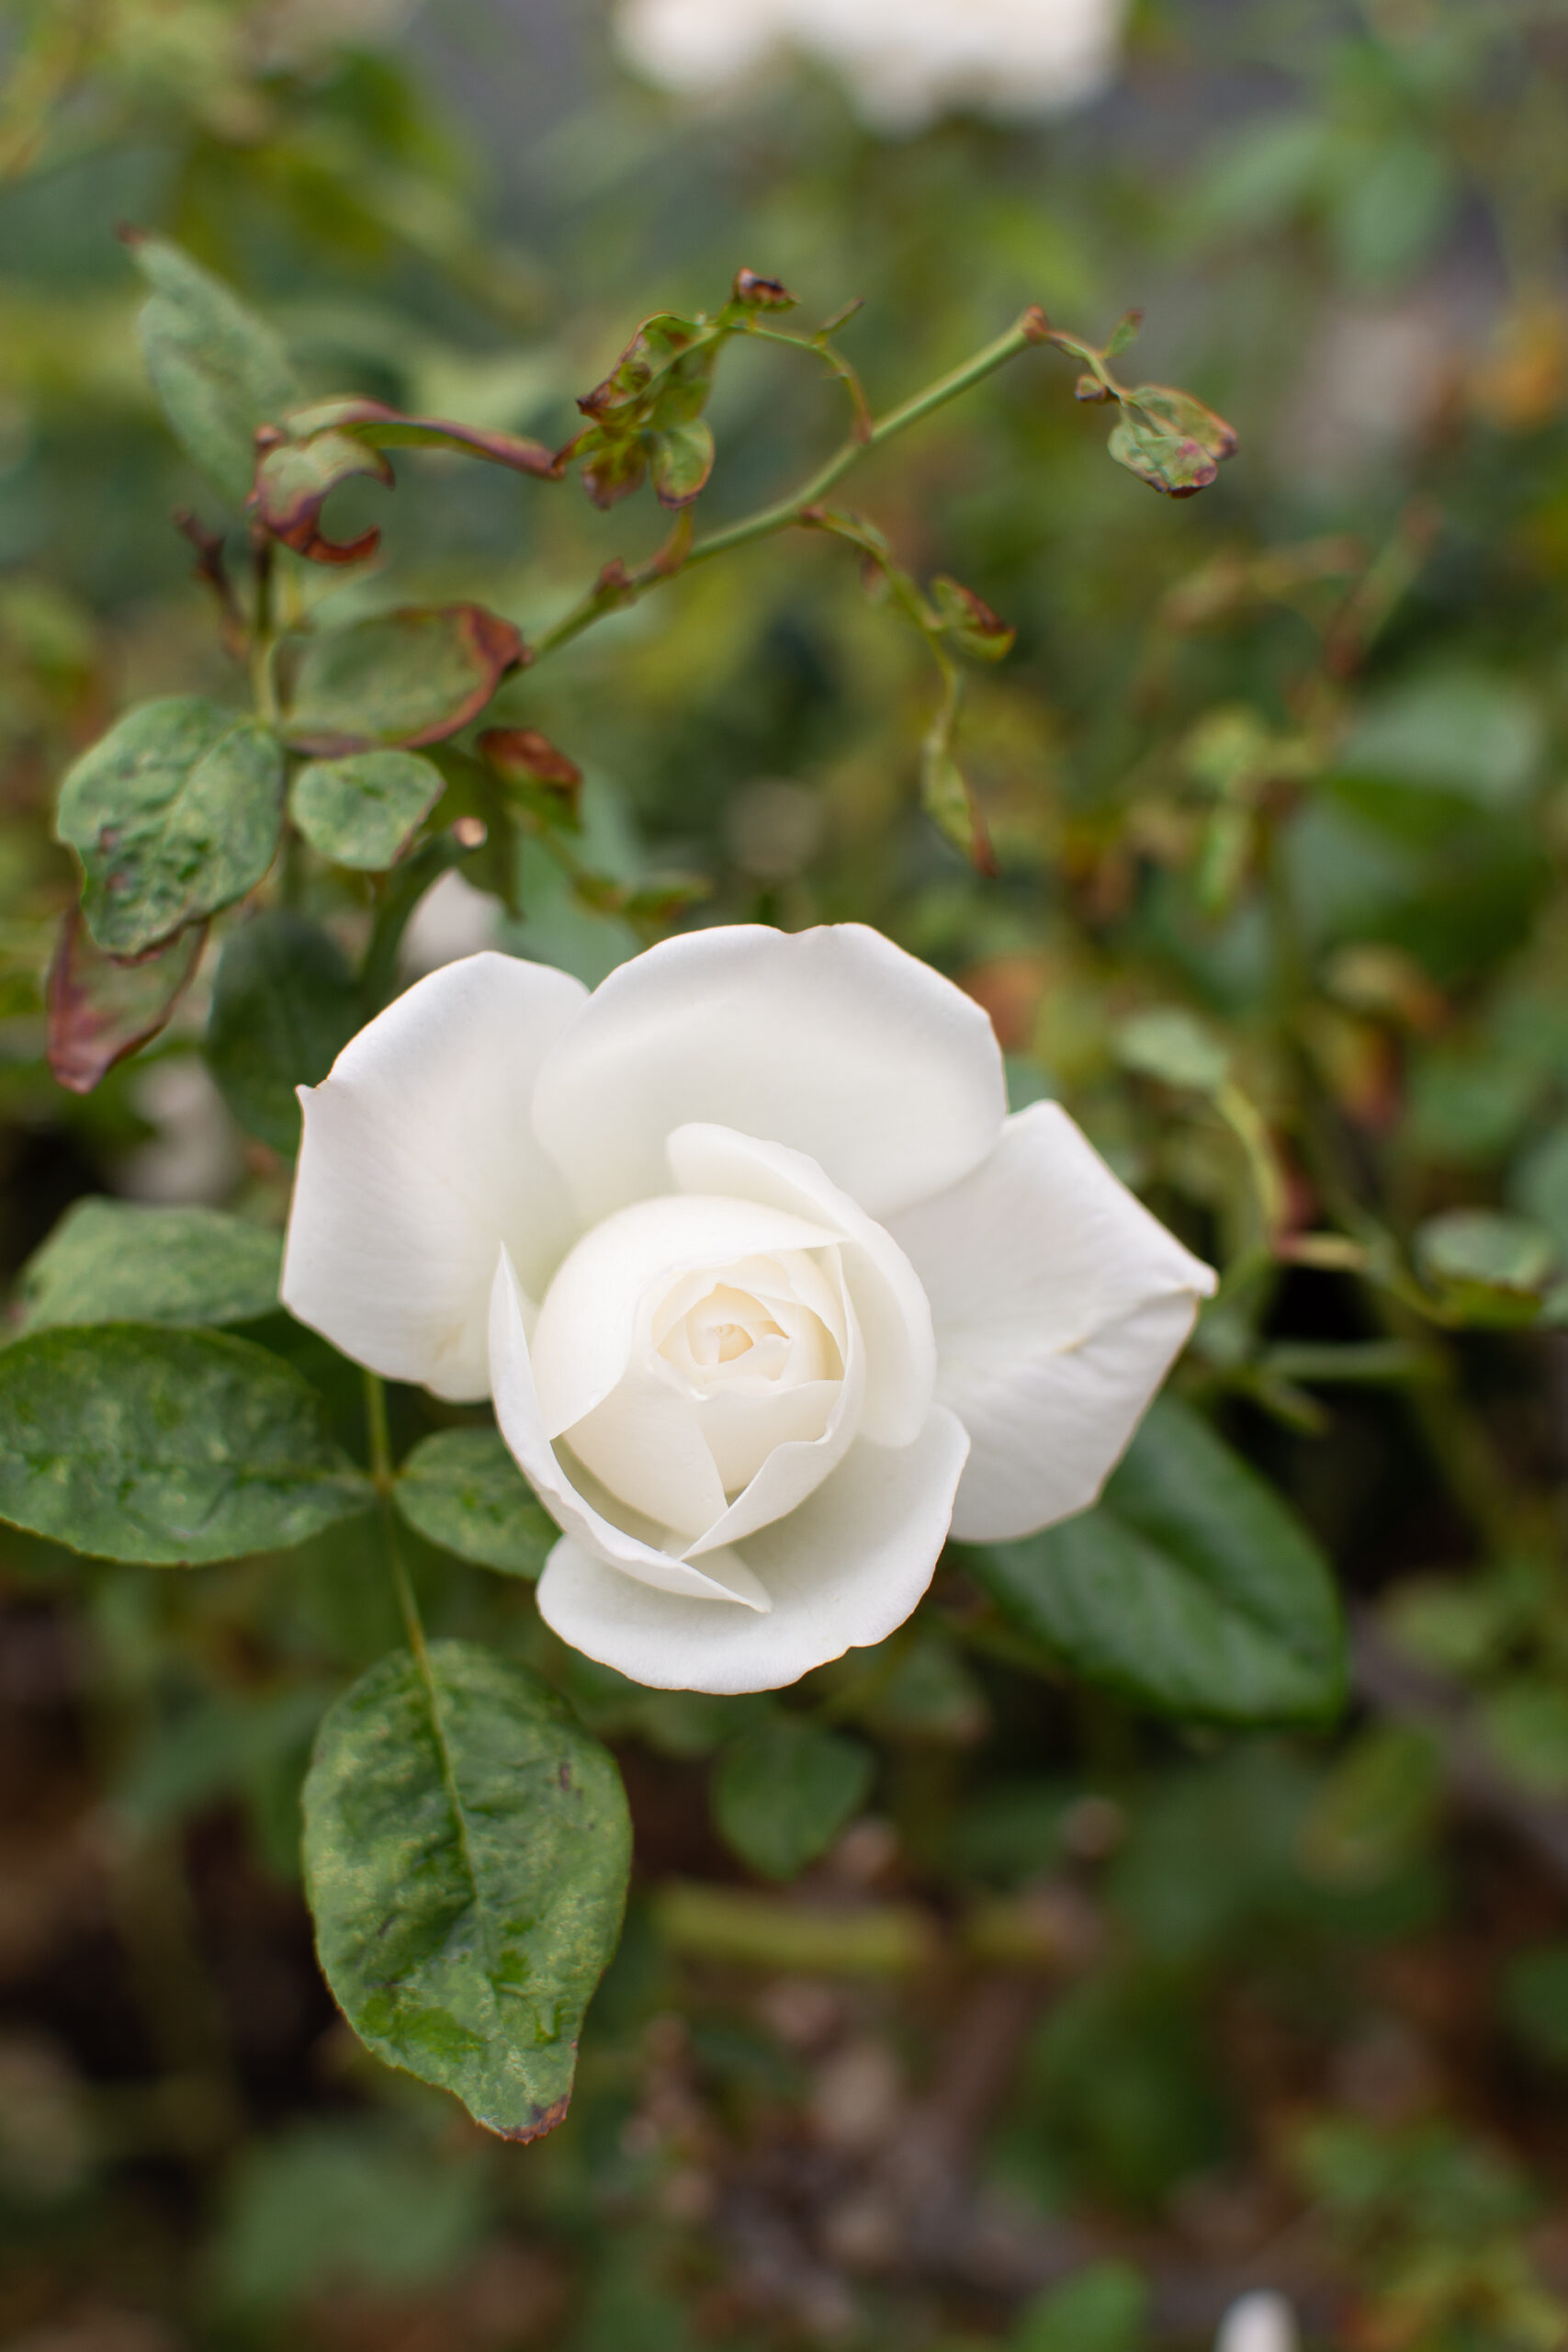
[(905, 62), (770, 1293)]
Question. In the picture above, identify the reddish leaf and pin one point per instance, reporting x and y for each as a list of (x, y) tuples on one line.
[(384, 428), (541, 777), (331, 441), (294, 480), (101, 1009), (520, 754), (970, 621)]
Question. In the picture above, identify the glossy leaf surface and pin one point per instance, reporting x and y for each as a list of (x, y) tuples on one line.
[(1190, 1587), (116, 1262), (466, 1854), (133, 1442), (174, 813), (365, 809), (462, 1490)]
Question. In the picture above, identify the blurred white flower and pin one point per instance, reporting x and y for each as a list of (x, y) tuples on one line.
[(1258, 2322), (906, 61)]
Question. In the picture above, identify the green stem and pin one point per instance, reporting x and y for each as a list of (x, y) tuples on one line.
[(625, 588), (384, 1475)]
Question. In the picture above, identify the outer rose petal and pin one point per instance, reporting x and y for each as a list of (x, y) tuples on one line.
[(418, 1163), (895, 1314), (842, 1572), (1060, 1304), (722, 1577), (832, 1041)]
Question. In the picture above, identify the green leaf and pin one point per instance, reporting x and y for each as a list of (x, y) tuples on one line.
[(218, 371), (949, 800), (1192, 1589), (467, 1847), (133, 1442), (1103, 2307), (462, 1490), (364, 810), (412, 676), (285, 1003), (99, 1010), (174, 813), (682, 460), (781, 1794), (1174, 1045), (114, 1262), (1486, 1267), (1535, 2000)]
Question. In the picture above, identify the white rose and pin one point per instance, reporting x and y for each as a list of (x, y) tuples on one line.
[(769, 1291), (905, 61)]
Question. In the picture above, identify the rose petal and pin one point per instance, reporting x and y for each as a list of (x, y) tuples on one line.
[(583, 1337), (418, 1161), (842, 1572), (888, 1298), (723, 1575), (797, 1466), (1060, 1304), (831, 1040)]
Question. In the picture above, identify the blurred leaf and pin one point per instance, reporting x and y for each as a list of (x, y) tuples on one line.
[(1486, 1267), (968, 621), (466, 1855), (949, 800), (1378, 1807), (1389, 207), (781, 1794), (1191, 1587), (133, 1442), (174, 813), (115, 1262), (1526, 1724), (682, 460), (1469, 736), (294, 480), (412, 676), (1539, 1186), (339, 2206), (284, 1006), (1103, 2307), (1535, 2001), (1173, 1045), (100, 1009), (217, 370), (461, 1490), (364, 810)]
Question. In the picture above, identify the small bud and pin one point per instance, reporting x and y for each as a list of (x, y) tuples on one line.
[(1034, 324), (1089, 387), (760, 293)]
